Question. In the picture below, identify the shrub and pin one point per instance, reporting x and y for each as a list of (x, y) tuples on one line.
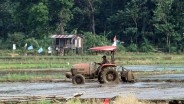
[(121, 48), (91, 40), (132, 48), (32, 41), (146, 48), (15, 38)]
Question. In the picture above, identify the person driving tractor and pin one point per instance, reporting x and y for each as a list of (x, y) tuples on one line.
[(104, 61)]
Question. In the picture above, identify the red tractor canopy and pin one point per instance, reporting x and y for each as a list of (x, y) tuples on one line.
[(103, 48), (106, 48)]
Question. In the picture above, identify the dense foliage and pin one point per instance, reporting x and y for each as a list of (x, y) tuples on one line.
[(141, 25)]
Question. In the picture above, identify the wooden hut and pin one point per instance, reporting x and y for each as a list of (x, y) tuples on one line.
[(64, 43)]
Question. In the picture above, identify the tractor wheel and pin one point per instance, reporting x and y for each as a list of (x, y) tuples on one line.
[(78, 79), (68, 75), (110, 76), (100, 78)]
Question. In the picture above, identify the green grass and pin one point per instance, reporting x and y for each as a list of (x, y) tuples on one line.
[(29, 62), (12, 77), (32, 66), (38, 102)]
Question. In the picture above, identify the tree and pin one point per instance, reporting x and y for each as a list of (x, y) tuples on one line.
[(32, 17), (60, 13), (84, 15), (91, 9), (162, 19), (178, 21), (38, 20), (16, 38), (6, 18), (132, 21)]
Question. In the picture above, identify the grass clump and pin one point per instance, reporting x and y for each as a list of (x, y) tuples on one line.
[(130, 99)]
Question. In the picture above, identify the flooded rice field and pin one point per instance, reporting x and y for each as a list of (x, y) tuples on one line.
[(162, 77), (142, 90), (150, 90), (154, 67)]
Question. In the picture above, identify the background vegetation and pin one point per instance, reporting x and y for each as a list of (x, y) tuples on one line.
[(142, 25)]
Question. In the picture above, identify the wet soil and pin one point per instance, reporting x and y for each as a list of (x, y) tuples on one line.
[(161, 78), (142, 90), (147, 87)]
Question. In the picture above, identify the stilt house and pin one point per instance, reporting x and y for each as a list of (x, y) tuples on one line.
[(61, 43)]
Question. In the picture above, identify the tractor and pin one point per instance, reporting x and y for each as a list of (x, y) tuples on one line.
[(106, 73)]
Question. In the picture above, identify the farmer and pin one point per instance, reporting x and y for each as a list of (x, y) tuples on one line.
[(104, 61)]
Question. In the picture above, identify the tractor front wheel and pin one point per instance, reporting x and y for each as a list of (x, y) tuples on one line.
[(78, 79), (110, 76)]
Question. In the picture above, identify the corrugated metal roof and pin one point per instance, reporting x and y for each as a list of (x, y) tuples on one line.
[(64, 36)]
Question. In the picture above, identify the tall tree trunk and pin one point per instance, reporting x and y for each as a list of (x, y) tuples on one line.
[(61, 27), (135, 21), (168, 41), (92, 17), (93, 24)]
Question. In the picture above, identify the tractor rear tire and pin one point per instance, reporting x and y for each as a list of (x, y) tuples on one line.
[(110, 76), (100, 78), (78, 79)]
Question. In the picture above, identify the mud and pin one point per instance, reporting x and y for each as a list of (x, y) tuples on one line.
[(162, 77), (154, 67), (142, 90), (155, 87)]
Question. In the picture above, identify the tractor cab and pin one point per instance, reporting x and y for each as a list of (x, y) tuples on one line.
[(110, 49)]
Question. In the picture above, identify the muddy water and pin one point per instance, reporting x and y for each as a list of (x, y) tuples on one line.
[(162, 77), (142, 90), (148, 90), (153, 67)]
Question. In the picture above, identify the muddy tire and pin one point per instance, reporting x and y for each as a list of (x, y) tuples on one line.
[(78, 79), (100, 79), (68, 75), (110, 76)]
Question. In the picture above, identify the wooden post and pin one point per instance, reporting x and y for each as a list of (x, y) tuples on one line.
[(112, 57)]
